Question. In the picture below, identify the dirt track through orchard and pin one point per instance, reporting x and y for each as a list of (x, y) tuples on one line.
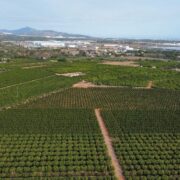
[(107, 140)]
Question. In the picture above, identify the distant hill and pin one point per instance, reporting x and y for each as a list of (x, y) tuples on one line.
[(28, 31)]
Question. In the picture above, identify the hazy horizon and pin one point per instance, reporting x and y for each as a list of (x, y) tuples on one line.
[(135, 19)]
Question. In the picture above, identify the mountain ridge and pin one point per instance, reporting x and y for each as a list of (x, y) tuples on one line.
[(28, 31)]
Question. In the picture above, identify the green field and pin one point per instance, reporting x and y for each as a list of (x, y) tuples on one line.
[(124, 76), (18, 84), (143, 121), (49, 121), (19, 93), (49, 129), (52, 143), (54, 156), (146, 142), (110, 98)]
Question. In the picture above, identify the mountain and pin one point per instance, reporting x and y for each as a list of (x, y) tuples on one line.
[(28, 31)]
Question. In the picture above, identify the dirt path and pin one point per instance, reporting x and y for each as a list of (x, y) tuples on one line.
[(27, 82), (107, 139)]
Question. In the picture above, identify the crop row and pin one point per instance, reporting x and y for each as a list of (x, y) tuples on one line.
[(143, 121), (155, 159), (62, 156), (51, 121), (111, 98), (144, 148)]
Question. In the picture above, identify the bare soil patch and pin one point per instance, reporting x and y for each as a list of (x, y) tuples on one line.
[(74, 74), (149, 85), (121, 63), (32, 67), (85, 84), (176, 69), (108, 142)]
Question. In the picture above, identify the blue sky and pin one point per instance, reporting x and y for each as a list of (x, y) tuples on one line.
[(105, 18)]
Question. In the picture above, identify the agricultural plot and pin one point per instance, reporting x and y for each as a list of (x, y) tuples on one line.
[(160, 64), (49, 121), (110, 98), (102, 74), (53, 143), (143, 125), (56, 135), (17, 75), (143, 121), (19, 93), (146, 142), (30, 156), (53, 156), (17, 84)]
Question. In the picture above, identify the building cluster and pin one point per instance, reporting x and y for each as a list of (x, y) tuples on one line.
[(79, 47)]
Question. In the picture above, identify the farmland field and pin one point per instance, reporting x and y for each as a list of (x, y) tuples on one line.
[(49, 129), (146, 142), (143, 124), (52, 143), (20, 92), (110, 98), (15, 81)]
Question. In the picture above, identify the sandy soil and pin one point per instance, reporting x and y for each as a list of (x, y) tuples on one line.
[(121, 63), (32, 67), (108, 142), (74, 74)]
